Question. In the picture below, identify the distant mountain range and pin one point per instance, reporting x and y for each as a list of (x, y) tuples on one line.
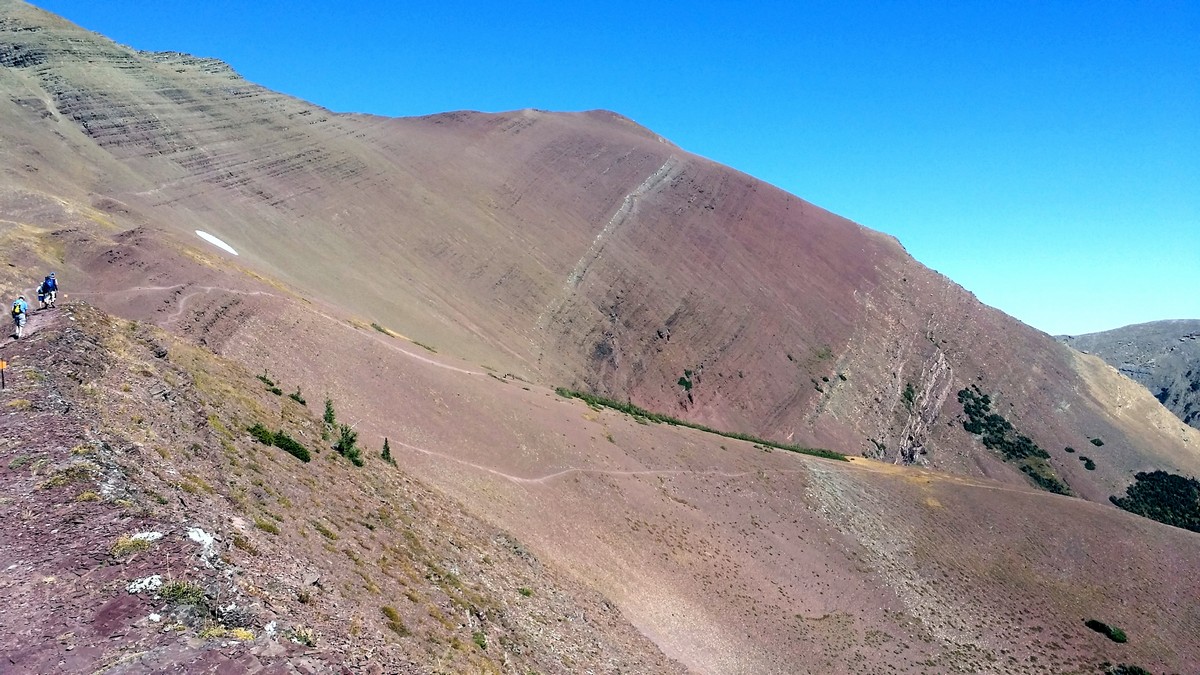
[(1162, 355)]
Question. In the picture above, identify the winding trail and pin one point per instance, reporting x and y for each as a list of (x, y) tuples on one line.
[(818, 466), (540, 480), (173, 317)]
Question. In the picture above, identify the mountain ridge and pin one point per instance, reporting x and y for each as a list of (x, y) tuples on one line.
[(438, 277), (1163, 356)]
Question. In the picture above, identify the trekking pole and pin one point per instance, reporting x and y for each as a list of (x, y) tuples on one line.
[(3, 367)]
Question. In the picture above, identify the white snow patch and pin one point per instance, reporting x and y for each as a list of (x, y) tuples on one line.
[(215, 241), (147, 536), (270, 628), (150, 583), (155, 617), (207, 543)]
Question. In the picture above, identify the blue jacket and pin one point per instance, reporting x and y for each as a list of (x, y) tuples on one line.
[(24, 305)]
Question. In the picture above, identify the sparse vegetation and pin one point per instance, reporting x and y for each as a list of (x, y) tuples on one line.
[(386, 454), (686, 380), (1166, 497), (909, 396), (1111, 632), (20, 462), (394, 622), (330, 416), (642, 415), (262, 434), (291, 446), (266, 525), (77, 472), (1087, 463), (302, 635), (271, 386), (280, 440), (525, 591), (1125, 669), (479, 639), (997, 433), (297, 397), (127, 545), (1096, 442), (325, 531), (347, 444), (183, 593)]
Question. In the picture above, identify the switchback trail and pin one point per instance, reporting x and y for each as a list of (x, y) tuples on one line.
[(174, 316)]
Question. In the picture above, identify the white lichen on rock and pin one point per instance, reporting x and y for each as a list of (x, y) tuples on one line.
[(150, 583)]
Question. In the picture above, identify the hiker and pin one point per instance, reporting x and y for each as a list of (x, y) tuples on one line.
[(20, 309), (50, 288), (41, 292)]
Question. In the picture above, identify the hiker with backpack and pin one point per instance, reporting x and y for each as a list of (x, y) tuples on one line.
[(48, 291), (20, 309)]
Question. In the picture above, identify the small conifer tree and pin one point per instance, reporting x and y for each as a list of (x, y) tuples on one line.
[(387, 452)]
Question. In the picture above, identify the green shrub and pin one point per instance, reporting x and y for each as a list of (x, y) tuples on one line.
[(182, 592), (1096, 442), (643, 416), (1125, 669), (298, 398), (347, 444), (1111, 632), (128, 545), (1087, 463), (291, 446), (262, 434), (997, 433), (1166, 497), (685, 381)]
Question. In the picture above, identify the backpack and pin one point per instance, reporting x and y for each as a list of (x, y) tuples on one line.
[(50, 284), (17, 311)]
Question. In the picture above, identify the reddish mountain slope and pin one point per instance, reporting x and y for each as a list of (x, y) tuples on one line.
[(437, 277), (578, 249)]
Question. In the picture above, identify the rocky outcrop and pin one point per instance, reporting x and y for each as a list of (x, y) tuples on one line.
[(1163, 356)]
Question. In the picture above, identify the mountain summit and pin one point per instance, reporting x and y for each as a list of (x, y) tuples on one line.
[(439, 278)]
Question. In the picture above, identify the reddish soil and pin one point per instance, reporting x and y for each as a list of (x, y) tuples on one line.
[(437, 278)]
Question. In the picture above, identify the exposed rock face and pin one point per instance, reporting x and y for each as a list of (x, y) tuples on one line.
[(1162, 355)]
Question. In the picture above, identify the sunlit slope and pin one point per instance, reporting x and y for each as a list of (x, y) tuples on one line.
[(576, 249)]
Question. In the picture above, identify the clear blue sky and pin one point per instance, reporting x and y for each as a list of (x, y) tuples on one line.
[(1045, 155)]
